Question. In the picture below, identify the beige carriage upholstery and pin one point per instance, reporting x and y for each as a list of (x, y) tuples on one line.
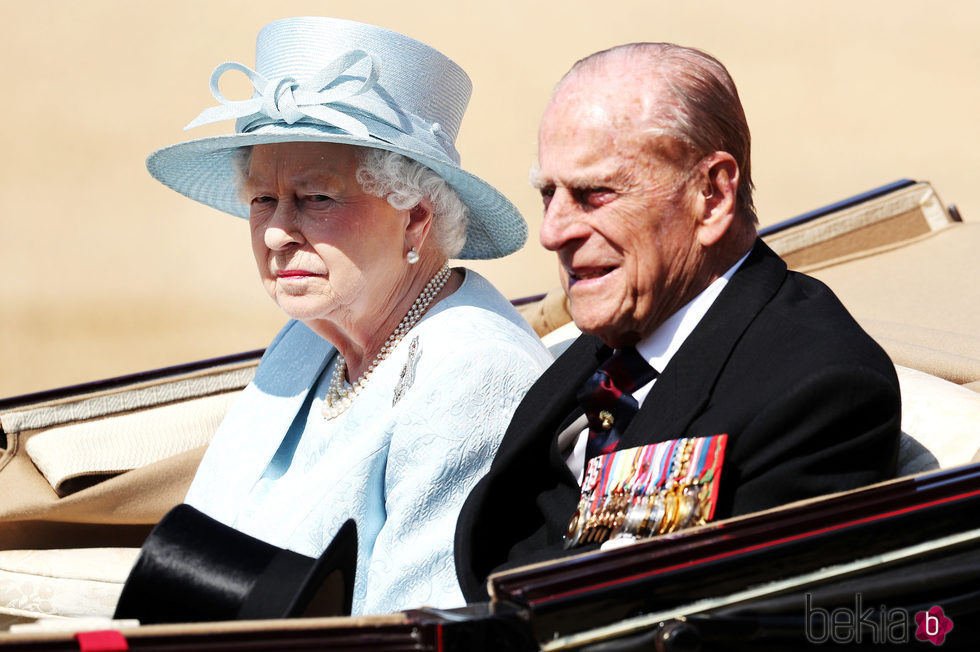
[(85, 478), (913, 286)]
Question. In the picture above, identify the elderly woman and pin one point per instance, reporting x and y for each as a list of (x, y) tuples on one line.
[(385, 397)]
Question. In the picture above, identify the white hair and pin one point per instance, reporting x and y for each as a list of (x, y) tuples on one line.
[(403, 183)]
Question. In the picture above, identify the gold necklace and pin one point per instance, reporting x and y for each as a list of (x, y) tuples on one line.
[(339, 396)]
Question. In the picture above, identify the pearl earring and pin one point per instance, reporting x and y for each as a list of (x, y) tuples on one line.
[(412, 256)]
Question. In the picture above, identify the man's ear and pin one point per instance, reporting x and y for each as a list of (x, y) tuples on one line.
[(717, 188)]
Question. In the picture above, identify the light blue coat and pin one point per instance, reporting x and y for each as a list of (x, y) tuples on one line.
[(400, 463)]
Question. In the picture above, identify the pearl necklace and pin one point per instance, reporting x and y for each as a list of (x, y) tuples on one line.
[(339, 397)]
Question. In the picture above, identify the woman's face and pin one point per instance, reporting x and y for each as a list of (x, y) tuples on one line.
[(326, 250)]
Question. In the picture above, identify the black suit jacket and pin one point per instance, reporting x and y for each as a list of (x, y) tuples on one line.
[(809, 401)]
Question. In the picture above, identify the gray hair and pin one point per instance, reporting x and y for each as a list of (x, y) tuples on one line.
[(705, 112), (403, 183)]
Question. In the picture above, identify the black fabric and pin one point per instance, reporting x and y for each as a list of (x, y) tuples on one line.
[(810, 404), (193, 568), (327, 590)]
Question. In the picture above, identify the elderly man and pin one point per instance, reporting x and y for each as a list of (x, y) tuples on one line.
[(753, 376)]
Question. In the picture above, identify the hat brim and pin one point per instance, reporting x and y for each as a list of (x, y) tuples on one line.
[(193, 568), (203, 170)]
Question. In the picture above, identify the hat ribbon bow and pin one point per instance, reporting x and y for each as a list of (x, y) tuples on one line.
[(288, 100)]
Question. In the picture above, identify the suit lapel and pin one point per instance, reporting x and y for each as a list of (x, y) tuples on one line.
[(548, 404), (684, 387)]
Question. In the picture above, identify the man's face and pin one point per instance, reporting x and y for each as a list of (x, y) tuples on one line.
[(616, 211)]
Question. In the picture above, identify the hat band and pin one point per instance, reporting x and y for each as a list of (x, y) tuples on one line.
[(285, 99)]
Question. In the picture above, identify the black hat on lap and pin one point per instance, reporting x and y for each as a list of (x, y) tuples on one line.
[(193, 568)]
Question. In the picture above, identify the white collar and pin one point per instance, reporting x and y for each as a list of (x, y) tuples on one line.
[(660, 346)]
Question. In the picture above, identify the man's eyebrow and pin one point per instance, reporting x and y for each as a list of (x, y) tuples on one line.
[(621, 176), (536, 179)]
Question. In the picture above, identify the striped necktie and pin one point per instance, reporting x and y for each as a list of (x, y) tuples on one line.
[(608, 401)]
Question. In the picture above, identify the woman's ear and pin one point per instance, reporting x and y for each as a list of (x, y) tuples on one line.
[(419, 223), (718, 182)]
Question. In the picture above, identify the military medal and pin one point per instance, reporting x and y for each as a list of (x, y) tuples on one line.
[(648, 490)]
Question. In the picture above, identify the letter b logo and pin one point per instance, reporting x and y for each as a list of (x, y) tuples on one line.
[(933, 625)]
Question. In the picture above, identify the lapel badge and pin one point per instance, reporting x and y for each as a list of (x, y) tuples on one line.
[(606, 419)]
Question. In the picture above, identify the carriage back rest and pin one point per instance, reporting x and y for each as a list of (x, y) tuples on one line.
[(98, 466)]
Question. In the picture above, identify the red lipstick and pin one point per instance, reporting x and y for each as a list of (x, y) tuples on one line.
[(294, 273)]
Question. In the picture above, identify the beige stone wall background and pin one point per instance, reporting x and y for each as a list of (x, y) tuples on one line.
[(106, 272)]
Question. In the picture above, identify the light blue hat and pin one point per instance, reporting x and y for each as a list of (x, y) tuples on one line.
[(338, 81)]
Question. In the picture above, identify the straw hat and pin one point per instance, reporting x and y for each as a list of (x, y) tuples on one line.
[(329, 80)]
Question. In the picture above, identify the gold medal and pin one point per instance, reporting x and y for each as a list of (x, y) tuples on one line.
[(687, 507), (654, 516), (574, 529)]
